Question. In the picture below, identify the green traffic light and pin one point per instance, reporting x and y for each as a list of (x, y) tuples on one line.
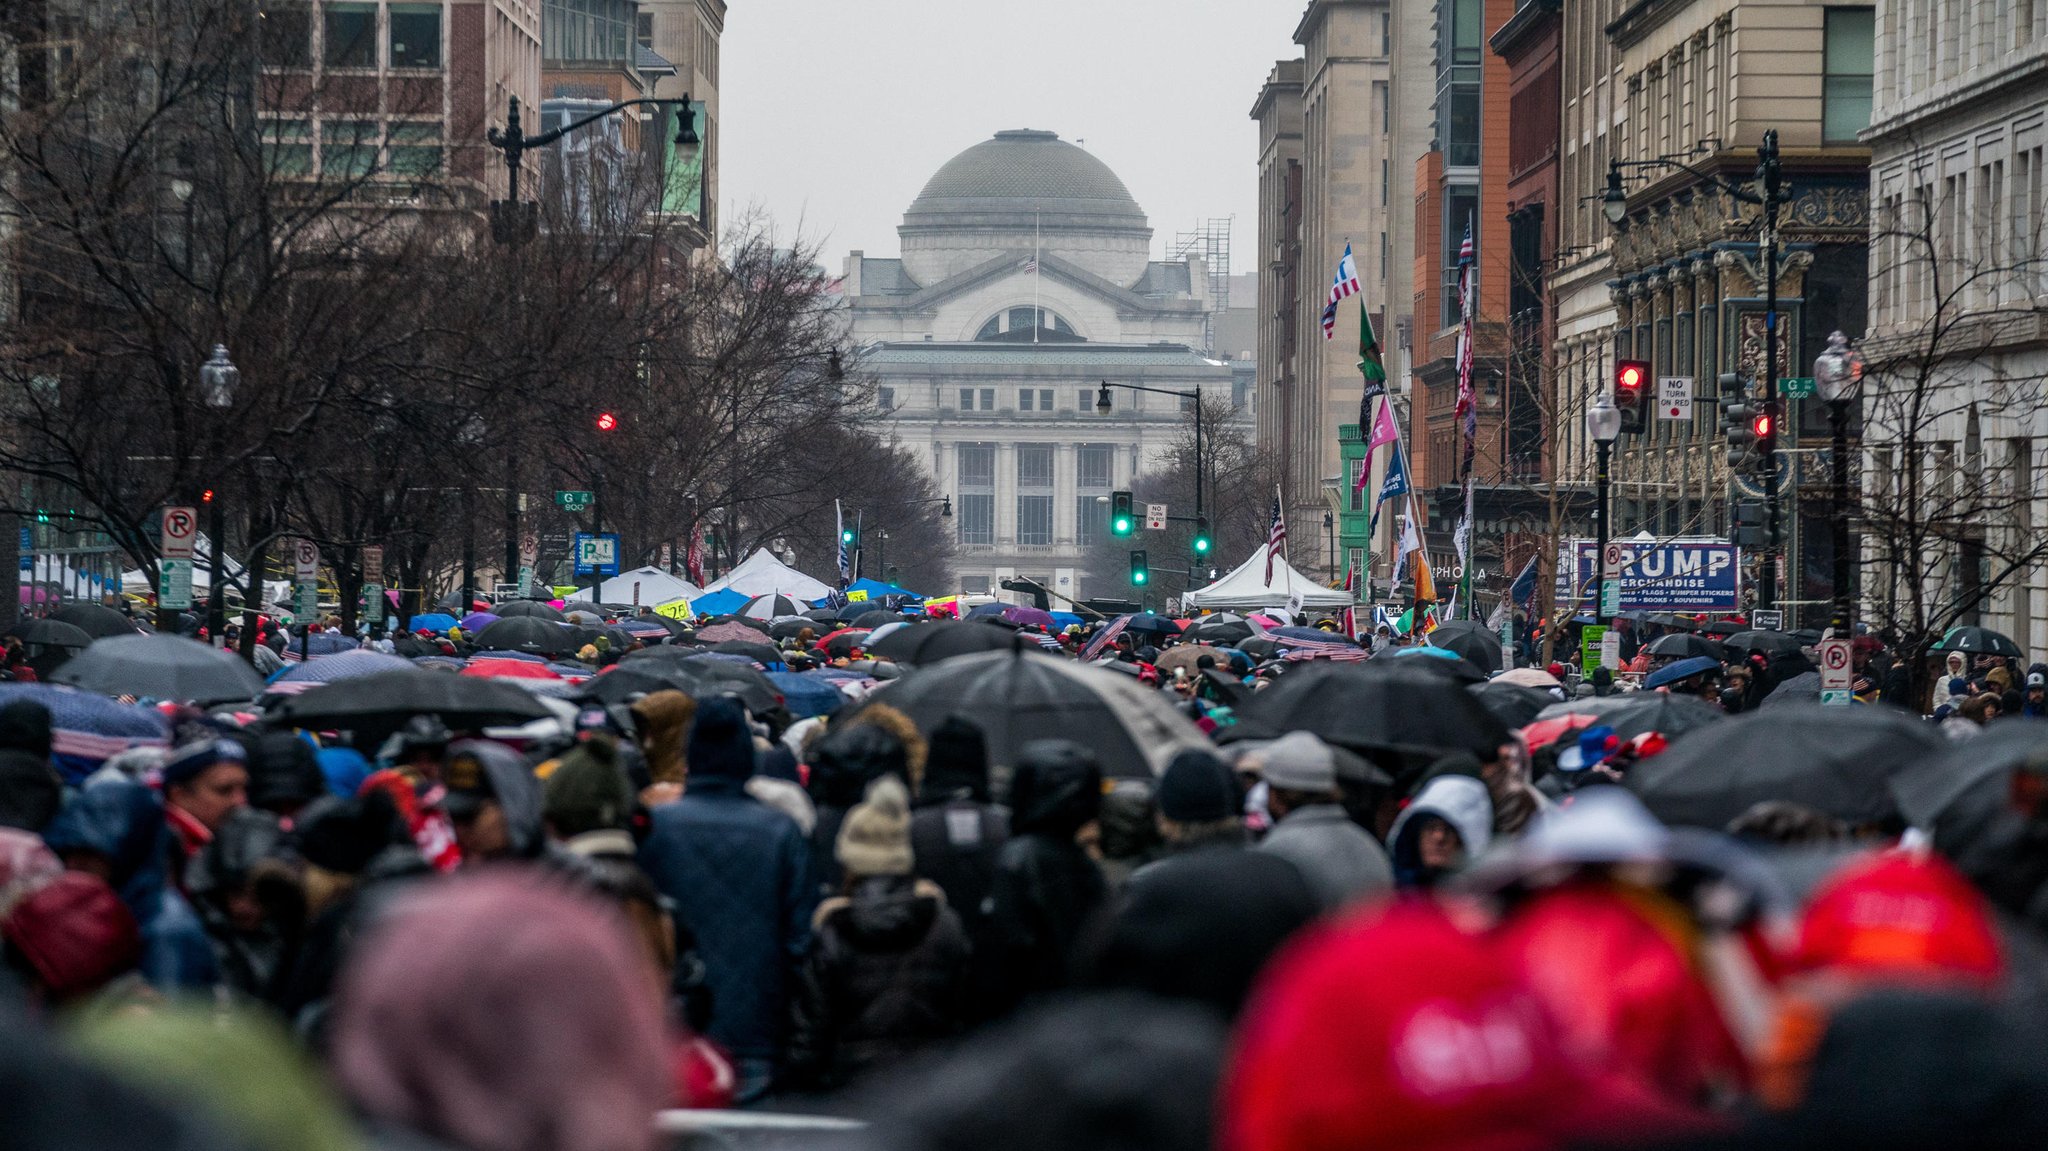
[(1201, 544), (1122, 527), (1137, 577)]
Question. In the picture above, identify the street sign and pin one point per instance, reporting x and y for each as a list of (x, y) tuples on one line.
[(306, 558), (306, 605), (597, 554), (174, 583), (1837, 675), (373, 603), (1610, 598), (525, 579), (529, 552), (1685, 574), (575, 501), (181, 531), (373, 565), (1610, 650), (1589, 646), (856, 597), (1767, 619), (1797, 387), (554, 547), (1674, 397), (1155, 517)]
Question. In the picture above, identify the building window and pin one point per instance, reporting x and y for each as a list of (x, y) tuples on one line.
[(966, 399), (1086, 399), (1030, 399), (988, 399), (1461, 207), (1848, 64), (1466, 30), (415, 35), (285, 35), (1461, 126), (1095, 466), (975, 476), (643, 29), (886, 399), (1025, 399), (1095, 472), (1034, 495), (1356, 496), (351, 35)]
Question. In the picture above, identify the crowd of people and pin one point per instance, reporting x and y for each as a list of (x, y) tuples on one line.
[(1285, 937)]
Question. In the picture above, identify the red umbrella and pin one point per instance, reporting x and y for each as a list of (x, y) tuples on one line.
[(1545, 732), (509, 669)]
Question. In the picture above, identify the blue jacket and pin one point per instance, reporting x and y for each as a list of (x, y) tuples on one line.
[(739, 874), (124, 822)]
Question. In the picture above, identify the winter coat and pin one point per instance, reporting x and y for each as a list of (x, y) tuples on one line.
[(1338, 859), (30, 789), (664, 719), (1047, 889), (1459, 800), (739, 874), (248, 844), (957, 844), (843, 764), (887, 975)]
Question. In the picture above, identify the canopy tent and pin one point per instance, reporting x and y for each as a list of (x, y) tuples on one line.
[(52, 573), (1246, 588), (763, 574), (876, 589), (645, 586), (723, 602)]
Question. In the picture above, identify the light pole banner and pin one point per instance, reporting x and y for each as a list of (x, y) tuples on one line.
[(1699, 574)]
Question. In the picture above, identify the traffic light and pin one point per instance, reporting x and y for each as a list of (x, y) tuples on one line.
[(1121, 522), (1749, 523), (1141, 571), (1201, 536), (1631, 387), (849, 538), (606, 421), (206, 497), (1765, 424), (1736, 417)]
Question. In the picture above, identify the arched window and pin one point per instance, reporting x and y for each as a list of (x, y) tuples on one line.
[(1015, 325)]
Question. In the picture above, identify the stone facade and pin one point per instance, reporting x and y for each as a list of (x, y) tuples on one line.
[(1024, 283)]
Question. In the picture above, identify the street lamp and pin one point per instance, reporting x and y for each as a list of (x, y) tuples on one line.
[(516, 223), (1614, 201), (1330, 538), (1194, 398), (1836, 374), (219, 379), (1603, 423)]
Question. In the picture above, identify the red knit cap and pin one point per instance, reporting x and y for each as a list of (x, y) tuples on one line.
[(76, 934), (1901, 916)]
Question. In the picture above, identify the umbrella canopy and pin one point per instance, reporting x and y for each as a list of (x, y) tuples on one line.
[(793, 626), (843, 641), (433, 621), (482, 668), (166, 667), (1433, 661), (1685, 645), (722, 602), (385, 700), (761, 653), (874, 619), (1017, 697), (95, 620), (86, 729), (1374, 706), (927, 643), (1529, 677), (528, 635), (1975, 641), (1187, 656), (622, 683), (806, 695), (52, 633), (1798, 689), (333, 668), (1024, 616), (320, 643), (1471, 640), (1723, 627), (1515, 705), (731, 631), (1221, 628), (1150, 623), (1837, 760), (770, 607), (478, 620), (1632, 714), (1771, 642), (530, 609), (701, 673)]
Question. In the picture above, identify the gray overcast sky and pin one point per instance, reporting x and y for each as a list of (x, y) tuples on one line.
[(835, 112)]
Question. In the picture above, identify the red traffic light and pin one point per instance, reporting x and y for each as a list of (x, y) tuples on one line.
[(206, 497), (1630, 376), (1762, 425), (606, 421)]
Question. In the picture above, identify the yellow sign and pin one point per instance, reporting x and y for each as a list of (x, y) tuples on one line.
[(856, 597), (676, 609), (943, 607)]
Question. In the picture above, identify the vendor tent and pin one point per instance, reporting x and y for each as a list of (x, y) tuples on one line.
[(763, 574), (644, 586), (1246, 588)]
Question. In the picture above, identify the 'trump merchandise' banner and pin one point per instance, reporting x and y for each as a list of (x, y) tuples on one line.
[(1701, 574)]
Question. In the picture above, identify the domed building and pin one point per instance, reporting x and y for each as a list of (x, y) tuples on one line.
[(1026, 280)]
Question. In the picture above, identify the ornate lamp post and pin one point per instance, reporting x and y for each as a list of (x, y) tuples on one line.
[(1603, 423), (1837, 372)]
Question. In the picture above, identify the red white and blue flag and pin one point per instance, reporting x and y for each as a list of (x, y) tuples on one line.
[(1467, 409), (1276, 536), (1346, 284)]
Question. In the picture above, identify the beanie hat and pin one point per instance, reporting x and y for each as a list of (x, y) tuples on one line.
[(1197, 788), (957, 761), (344, 835), (1299, 761), (720, 746), (187, 762), (587, 791), (875, 837), (75, 934), (1896, 916)]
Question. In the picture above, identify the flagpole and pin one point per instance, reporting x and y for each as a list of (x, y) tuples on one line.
[(1037, 313)]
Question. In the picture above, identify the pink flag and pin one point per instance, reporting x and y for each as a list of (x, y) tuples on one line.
[(1384, 431)]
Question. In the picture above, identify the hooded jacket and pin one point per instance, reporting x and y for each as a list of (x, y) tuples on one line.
[(843, 764), (1047, 889), (124, 822), (30, 789), (516, 790), (664, 721), (1458, 800), (887, 975), (957, 836), (247, 847)]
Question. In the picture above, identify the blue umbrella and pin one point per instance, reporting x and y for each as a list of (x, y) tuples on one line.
[(719, 603), (345, 665), (88, 729), (322, 643), (433, 621), (440, 661), (806, 695)]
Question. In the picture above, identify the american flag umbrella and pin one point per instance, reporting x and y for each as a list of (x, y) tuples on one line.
[(86, 729), (770, 607), (481, 668), (333, 668)]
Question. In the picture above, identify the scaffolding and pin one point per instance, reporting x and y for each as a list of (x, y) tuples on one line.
[(1210, 239)]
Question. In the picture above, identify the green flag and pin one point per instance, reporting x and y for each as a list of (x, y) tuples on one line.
[(1369, 363)]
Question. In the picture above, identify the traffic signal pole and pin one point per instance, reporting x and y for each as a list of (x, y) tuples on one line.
[(1767, 173)]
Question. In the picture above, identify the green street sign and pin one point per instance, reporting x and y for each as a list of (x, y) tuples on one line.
[(575, 501), (1797, 387)]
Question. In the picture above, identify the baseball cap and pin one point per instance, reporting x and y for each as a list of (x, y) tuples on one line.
[(468, 786), (1894, 915), (2036, 679)]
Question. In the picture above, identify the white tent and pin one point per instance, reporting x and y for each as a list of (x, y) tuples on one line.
[(763, 574), (648, 586), (1245, 588)]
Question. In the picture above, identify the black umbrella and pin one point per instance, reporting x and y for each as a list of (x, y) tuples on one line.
[(1151, 623), (1939, 788), (1667, 619), (95, 620), (1633, 713), (926, 643), (383, 701), (828, 614), (1016, 697), (622, 683), (731, 677), (1795, 690), (1723, 627), (52, 633), (760, 653), (1221, 628), (1978, 641), (844, 643), (1685, 645), (1514, 704), (165, 667), (1836, 760), (534, 636), (1432, 661), (874, 619), (529, 609), (1470, 639), (1374, 706), (1764, 641), (791, 628)]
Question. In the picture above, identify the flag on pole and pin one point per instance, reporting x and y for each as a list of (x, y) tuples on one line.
[(1384, 431), (1369, 362), (1409, 544), (1349, 620), (845, 561), (1395, 484), (693, 559), (1523, 591), (1346, 284), (1425, 585), (1467, 410), (1276, 536)]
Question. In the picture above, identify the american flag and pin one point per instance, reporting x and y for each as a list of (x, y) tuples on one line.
[(1031, 265), (1467, 410), (1275, 537), (693, 559), (1346, 284)]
